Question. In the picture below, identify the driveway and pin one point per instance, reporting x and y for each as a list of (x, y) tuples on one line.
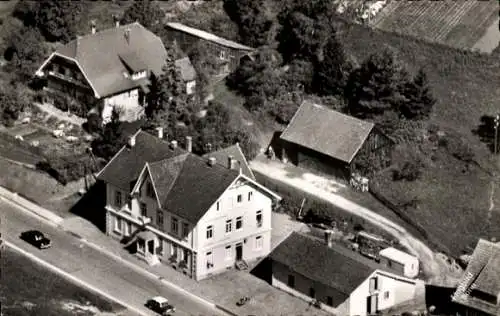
[(329, 190)]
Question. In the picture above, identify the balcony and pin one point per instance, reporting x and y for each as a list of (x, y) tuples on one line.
[(67, 78)]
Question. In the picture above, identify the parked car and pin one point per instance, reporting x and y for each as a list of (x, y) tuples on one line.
[(36, 238), (160, 305)]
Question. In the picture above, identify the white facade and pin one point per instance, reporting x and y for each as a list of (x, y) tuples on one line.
[(380, 291), (197, 249), (394, 257), (126, 102)]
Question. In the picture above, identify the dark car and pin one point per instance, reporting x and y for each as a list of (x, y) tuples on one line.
[(160, 305), (36, 238)]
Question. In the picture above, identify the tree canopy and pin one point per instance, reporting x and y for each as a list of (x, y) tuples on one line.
[(146, 12), (419, 99)]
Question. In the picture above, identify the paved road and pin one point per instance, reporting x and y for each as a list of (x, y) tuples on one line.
[(93, 267)]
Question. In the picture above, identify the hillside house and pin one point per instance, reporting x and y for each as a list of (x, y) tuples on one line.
[(329, 141), (227, 53), (478, 293), (343, 281), (110, 68), (198, 215)]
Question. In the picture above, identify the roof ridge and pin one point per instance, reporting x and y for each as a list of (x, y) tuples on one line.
[(340, 113)]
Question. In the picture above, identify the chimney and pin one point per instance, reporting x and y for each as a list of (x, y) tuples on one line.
[(159, 132), (116, 20), (328, 238), (127, 35), (131, 141), (231, 162), (93, 26), (189, 143), (211, 161), (173, 144)]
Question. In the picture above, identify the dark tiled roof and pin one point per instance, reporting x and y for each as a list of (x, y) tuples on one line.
[(222, 155), (208, 36), (483, 274), (187, 70), (337, 267), (327, 131), (99, 56), (133, 61), (187, 186), (126, 166)]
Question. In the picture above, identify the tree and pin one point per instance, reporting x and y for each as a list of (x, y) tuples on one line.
[(25, 52), (299, 75), (254, 19), (111, 139), (302, 37), (419, 100), (146, 12), (10, 107), (377, 86), (57, 20), (333, 70)]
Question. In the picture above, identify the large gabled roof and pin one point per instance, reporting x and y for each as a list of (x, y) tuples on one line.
[(105, 56), (483, 274), (327, 131), (336, 267)]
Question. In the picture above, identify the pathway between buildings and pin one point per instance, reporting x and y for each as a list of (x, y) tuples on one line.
[(438, 272)]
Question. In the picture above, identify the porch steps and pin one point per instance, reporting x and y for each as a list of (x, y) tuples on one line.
[(241, 265)]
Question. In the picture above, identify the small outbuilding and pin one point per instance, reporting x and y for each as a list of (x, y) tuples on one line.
[(400, 261), (329, 141)]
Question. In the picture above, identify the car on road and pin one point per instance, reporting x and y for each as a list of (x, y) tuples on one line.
[(160, 305), (36, 238)]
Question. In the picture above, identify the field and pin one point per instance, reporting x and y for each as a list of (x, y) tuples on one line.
[(455, 23), (29, 289)]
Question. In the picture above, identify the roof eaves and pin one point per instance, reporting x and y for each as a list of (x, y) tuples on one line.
[(82, 70), (153, 183), (361, 143), (276, 196), (110, 161), (245, 160), (293, 118)]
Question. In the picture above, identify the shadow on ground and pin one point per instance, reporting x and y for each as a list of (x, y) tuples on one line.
[(91, 206), (486, 131), (263, 270), (440, 298)]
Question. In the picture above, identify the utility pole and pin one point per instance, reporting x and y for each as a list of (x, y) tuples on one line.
[(497, 123)]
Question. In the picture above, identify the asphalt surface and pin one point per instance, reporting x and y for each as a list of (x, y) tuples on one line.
[(93, 267)]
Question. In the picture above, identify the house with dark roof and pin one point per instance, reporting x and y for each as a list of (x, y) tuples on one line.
[(226, 52), (201, 215), (478, 293), (343, 281), (112, 66), (328, 141)]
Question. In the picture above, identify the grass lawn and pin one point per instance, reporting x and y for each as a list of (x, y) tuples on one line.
[(29, 289), (38, 187)]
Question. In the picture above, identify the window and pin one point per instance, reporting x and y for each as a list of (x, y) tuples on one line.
[(291, 281), (159, 250), (118, 225), (150, 191), (185, 255), (175, 225), (185, 230), (159, 218), (239, 198), (239, 223), (144, 209), (258, 218), (210, 231), (373, 284), (210, 260), (141, 245), (229, 226), (386, 295), (229, 253), (118, 199), (222, 54), (312, 292), (259, 242), (250, 195), (218, 206), (329, 301)]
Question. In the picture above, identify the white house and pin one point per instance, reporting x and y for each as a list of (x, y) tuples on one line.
[(343, 281), (400, 261), (180, 209)]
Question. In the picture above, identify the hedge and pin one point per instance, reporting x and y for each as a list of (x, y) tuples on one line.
[(69, 168)]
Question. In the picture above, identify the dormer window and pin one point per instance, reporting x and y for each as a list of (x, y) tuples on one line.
[(139, 75), (135, 65)]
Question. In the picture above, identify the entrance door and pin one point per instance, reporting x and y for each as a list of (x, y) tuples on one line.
[(239, 252), (151, 247)]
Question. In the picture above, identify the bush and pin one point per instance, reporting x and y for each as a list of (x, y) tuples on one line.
[(69, 168), (410, 171)]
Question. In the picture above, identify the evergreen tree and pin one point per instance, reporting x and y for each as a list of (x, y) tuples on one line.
[(333, 70), (146, 12), (419, 100), (111, 138), (377, 86)]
